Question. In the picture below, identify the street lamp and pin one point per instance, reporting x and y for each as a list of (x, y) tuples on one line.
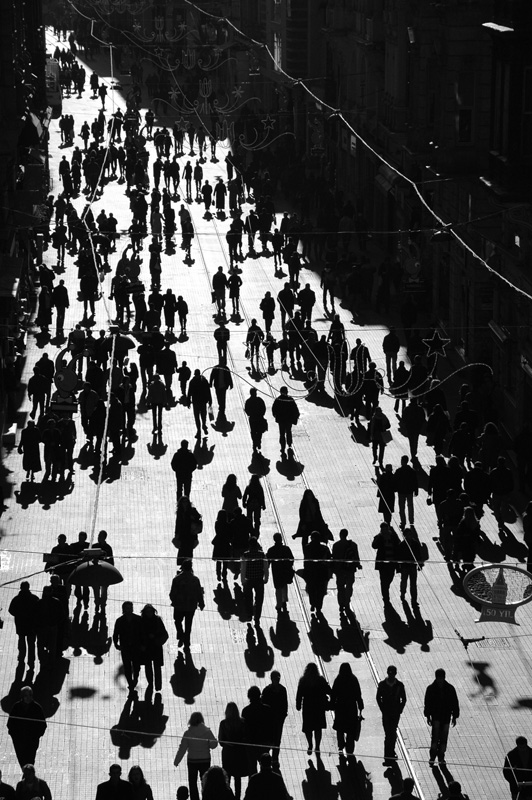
[(93, 571)]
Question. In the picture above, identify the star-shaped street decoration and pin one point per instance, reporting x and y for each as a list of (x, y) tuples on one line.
[(181, 124), (238, 91), (173, 94), (268, 123), (436, 345)]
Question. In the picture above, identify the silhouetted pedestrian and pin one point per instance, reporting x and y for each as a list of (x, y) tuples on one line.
[(313, 694)]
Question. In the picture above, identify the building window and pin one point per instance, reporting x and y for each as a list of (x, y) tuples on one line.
[(277, 50)]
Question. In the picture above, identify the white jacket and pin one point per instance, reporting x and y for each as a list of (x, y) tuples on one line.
[(197, 741)]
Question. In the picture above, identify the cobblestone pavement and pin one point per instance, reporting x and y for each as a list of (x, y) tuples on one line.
[(86, 698)]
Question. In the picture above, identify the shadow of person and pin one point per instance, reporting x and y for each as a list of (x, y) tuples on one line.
[(224, 600), (289, 467), (260, 465), (204, 454), (457, 588), (151, 720), (223, 425), (512, 546), (285, 636), (79, 630), (486, 686), (27, 494), (125, 734), (97, 641), (359, 434), (420, 629), (398, 632), (9, 700), (437, 773), (394, 777), (258, 653), (318, 398), (241, 609), (351, 638), (322, 638), (48, 684), (128, 452), (85, 457), (354, 779), (489, 551), (187, 680), (113, 468), (317, 784), (156, 448)]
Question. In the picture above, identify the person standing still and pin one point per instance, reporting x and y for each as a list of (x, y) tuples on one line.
[(391, 699), (441, 710)]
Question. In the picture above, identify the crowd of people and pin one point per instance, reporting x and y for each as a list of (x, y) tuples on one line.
[(122, 372)]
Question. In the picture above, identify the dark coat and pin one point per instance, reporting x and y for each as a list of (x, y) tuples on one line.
[(441, 703), (154, 636), (26, 721), (517, 767), (347, 703), (313, 698)]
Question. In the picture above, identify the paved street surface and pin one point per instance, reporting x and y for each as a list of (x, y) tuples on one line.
[(87, 697)]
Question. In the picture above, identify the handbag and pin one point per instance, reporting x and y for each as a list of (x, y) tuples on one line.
[(247, 353), (213, 297), (386, 437)]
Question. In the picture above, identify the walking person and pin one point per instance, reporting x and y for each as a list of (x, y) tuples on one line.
[(345, 563), (259, 727), (275, 696), (317, 571), (379, 434), (127, 637), (406, 486), (31, 786), (266, 783), (391, 699), (518, 769), (254, 502), (254, 339), (26, 725), (232, 740), (255, 408), (281, 561), (441, 709), (23, 608), (29, 446), (154, 636), (313, 695), (196, 743), (410, 556), (386, 543), (199, 395), (156, 399), (186, 596), (348, 705), (222, 334), (141, 788), (115, 788), (254, 573), (184, 464), (413, 422), (221, 380), (391, 346), (386, 493), (286, 414)]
